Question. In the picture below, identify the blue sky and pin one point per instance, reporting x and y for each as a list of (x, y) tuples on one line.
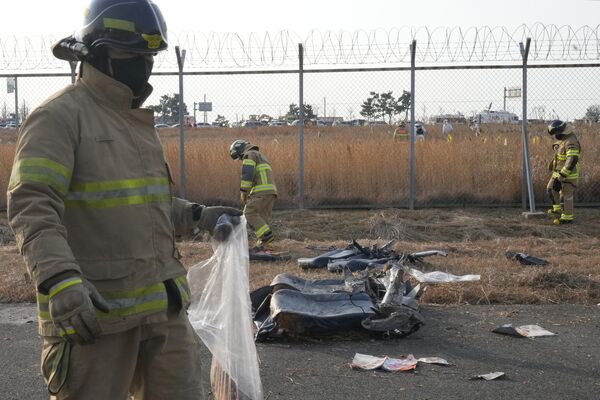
[(63, 16)]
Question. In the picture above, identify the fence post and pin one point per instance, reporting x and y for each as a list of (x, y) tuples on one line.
[(17, 101), (525, 54), (180, 62), (301, 129), (411, 181)]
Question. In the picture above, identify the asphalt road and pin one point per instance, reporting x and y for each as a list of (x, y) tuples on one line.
[(566, 366)]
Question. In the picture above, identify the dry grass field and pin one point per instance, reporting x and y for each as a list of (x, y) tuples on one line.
[(363, 165), (476, 240)]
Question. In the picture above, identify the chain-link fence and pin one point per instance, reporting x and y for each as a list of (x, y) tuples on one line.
[(355, 134)]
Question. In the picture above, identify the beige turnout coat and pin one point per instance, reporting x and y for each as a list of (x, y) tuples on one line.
[(90, 191)]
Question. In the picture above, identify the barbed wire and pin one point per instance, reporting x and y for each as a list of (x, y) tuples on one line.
[(441, 45)]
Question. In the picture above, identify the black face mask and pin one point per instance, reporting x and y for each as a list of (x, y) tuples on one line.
[(133, 72)]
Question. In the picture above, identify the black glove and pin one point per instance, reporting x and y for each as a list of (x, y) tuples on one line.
[(72, 305), (207, 220), (556, 185)]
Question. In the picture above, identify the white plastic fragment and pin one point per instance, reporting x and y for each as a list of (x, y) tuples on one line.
[(405, 363), (367, 362), (433, 360), (532, 331), (441, 277), (489, 377)]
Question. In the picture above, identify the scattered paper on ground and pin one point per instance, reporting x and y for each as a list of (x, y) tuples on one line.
[(532, 331), (433, 360), (441, 277), (404, 363), (367, 362), (490, 376), (528, 331)]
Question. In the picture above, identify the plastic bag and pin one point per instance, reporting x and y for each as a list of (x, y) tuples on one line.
[(221, 314)]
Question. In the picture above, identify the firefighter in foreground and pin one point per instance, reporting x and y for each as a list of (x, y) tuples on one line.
[(565, 172), (257, 192), (90, 202)]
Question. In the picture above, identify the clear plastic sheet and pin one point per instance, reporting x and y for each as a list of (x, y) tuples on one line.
[(221, 314)]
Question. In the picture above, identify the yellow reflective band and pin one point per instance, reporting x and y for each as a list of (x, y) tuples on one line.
[(183, 287), (151, 306), (121, 24), (41, 170), (264, 167), (42, 305), (154, 41), (573, 153), (568, 217), (262, 230), (136, 301), (119, 202), (62, 286), (263, 177), (249, 162), (246, 185), (263, 188), (134, 293), (69, 331), (121, 184), (119, 193)]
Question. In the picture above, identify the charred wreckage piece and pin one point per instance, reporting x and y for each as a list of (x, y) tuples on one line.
[(357, 258), (378, 301)]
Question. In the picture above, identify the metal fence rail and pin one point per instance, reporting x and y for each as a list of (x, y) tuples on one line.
[(334, 153)]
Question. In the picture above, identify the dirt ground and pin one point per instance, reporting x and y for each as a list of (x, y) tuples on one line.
[(475, 239)]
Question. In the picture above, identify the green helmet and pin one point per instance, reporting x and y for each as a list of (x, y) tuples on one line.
[(237, 148)]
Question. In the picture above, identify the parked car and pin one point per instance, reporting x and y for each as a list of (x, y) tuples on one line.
[(203, 125), (10, 126), (277, 122), (252, 124), (162, 126)]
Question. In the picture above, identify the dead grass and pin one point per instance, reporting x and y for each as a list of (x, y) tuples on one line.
[(476, 240), (364, 165)]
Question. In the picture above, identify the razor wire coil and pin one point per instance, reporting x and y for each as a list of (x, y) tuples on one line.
[(441, 45)]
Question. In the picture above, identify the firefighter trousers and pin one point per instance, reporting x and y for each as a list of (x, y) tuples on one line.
[(154, 361), (258, 211), (566, 195)]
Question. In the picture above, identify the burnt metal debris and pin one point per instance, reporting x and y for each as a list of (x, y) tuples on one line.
[(525, 258), (355, 257)]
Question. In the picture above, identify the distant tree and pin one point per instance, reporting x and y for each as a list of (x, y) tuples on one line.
[(23, 111), (593, 113), (294, 112), (168, 109), (222, 121), (385, 105), (367, 108), (403, 104)]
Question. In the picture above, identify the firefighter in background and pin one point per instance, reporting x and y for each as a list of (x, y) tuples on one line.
[(257, 191), (90, 203), (565, 172)]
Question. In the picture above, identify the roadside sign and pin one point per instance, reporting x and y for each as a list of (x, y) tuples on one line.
[(205, 106), (10, 84)]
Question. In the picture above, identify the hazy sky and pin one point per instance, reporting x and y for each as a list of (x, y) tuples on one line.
[(63, 16)]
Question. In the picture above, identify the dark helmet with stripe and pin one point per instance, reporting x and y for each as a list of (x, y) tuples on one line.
[(556, 127), (131, 25), (237, 148)]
